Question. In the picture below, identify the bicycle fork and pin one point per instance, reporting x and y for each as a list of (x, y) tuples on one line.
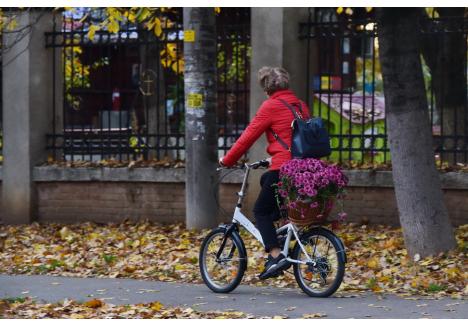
[(230, 230)]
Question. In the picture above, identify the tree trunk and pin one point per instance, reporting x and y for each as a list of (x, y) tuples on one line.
[(200, 118), (444, 53), (423, 215)]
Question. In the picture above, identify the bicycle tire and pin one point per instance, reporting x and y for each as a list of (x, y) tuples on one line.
[(335, 241), (239, 244)]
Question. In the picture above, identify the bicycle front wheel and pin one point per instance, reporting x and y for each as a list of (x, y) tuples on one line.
[(223, 260), (322, 275)]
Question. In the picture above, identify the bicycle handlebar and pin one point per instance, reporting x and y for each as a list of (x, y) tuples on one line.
[(255, 165)]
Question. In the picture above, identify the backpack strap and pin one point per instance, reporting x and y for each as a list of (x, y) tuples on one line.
[(297, 116), (291, 108), (279, 140)]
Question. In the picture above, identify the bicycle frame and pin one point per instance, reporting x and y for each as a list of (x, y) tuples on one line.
[(291, 230)]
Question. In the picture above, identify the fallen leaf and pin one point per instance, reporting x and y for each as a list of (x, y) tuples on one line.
[(314, 315), (94, 303), (156, 306)]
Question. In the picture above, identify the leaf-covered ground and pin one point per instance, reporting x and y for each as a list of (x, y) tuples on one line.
[(377, 259), (27, 308)]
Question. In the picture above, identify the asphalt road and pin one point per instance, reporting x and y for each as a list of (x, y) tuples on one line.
[(259, 301)]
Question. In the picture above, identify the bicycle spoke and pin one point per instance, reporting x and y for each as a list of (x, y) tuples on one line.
[(222, 260), (315, 246), (318, 276)]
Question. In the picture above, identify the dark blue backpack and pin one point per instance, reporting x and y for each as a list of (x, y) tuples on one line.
[(309, 137)]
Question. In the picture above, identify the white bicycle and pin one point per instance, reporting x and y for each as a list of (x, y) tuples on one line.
[(318, 258)]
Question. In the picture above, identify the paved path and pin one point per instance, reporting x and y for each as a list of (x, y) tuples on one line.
[(259, 301)]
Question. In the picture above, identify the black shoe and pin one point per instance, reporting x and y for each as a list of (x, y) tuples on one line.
[(274, 267)]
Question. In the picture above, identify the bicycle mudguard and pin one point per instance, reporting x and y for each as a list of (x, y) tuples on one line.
[(342, 251), (232, 229)]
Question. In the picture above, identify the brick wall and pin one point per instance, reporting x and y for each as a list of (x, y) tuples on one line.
[(378, 205), (115, 201), (165, 202)]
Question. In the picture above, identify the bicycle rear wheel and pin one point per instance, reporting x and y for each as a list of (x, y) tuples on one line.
[(323, 275), (223, 260)]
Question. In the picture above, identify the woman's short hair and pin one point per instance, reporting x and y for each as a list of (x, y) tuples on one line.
[(273, 79)]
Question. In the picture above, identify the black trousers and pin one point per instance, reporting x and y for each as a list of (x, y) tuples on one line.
[(266, 209)]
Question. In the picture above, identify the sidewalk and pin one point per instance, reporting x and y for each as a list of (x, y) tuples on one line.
[(259, 301)]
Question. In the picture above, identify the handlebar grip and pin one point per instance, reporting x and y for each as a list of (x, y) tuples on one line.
[(262, 163)]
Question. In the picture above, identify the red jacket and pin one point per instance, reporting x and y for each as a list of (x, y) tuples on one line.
[(272, 114)]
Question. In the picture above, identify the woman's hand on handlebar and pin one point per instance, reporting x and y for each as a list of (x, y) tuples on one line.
[(220, 162), (221, 165)]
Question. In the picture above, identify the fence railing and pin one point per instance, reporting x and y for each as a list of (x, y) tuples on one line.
[(123, 92), (344, 83)]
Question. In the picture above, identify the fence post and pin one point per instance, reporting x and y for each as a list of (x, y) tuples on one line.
[(200, 117), (27, 112), (275, 42)]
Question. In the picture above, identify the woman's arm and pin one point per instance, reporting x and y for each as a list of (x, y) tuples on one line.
[(260, 123)]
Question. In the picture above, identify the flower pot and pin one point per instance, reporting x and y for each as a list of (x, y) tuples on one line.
[(304, 215)]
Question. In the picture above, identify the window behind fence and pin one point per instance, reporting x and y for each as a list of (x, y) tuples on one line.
[(345, 88), (123, 92)]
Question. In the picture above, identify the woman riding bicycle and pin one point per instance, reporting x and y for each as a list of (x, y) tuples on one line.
[(275, 120)]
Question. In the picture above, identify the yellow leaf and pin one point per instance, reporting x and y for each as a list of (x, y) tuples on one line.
[(156, 306), (143, 14), (217, 10), (426, 262), (373, 263), (178, 66), (384, 279), (114, 13), (172, 50), (113, 26), (92, 31), (12, 24), (339, 10), (179, 267), (94, 235), (368, 9), (131, 17), (349, 11), (157, 27), (453, 272)]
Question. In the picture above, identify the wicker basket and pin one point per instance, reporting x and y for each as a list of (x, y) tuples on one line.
[(305, 215)]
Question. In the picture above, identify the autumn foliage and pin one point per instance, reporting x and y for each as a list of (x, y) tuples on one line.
[(377, 259)]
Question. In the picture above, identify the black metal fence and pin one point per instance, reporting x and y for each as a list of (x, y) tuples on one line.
[(344, 82), (123, 92)]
